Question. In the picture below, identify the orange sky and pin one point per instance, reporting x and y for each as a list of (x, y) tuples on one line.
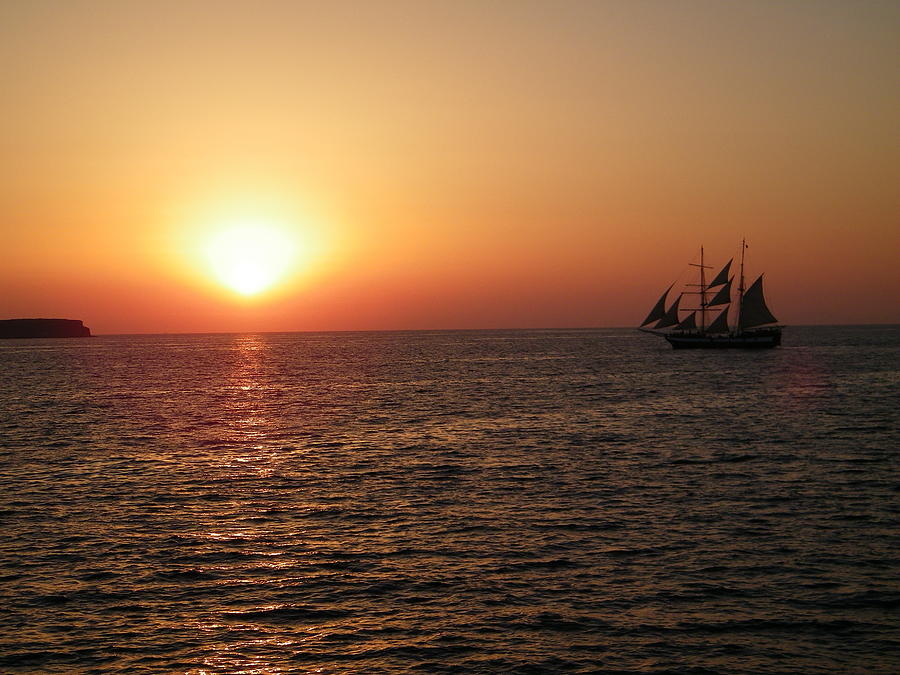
[(446, 165)]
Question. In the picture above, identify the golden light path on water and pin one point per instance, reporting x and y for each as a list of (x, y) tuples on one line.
[(252, 457)]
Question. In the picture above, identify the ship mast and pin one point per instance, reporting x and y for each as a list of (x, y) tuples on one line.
[(741, 287), (702, 291)]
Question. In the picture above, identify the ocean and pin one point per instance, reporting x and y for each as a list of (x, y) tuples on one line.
[(541, 501)]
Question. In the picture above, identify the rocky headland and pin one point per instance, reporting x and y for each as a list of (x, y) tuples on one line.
[(43, 328)]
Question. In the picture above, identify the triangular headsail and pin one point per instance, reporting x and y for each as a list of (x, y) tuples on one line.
[(753, 307), (720, 323), (659, 309), (671, 317), (723, 296), (690, 322), (722, 276)]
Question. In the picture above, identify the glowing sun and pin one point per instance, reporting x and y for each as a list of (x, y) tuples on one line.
[(250, 258)]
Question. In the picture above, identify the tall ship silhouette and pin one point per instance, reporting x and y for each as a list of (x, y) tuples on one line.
[(725, 317)]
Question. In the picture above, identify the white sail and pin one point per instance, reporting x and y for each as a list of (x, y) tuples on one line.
[(723, 296), (722, 276), (659, 309), (720, 323), (671, 317), (754, 311)]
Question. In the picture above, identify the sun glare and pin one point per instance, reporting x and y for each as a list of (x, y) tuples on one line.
[(250, 258)]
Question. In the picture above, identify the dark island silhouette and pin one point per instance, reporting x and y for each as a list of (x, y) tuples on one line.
[(43, 328)]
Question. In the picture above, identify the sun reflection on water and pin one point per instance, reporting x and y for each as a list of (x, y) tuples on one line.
[(245, 414)]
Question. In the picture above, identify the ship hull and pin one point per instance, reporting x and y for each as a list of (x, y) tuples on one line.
[(761, 339)]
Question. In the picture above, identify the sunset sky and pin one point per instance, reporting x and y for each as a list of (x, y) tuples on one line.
[(414, 164)]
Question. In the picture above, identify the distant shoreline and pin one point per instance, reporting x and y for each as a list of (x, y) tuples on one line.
[(12, 329)]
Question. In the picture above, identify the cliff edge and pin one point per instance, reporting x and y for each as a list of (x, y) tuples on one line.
[(43, 328)]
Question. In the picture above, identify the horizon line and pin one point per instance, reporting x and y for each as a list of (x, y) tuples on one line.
[(459, 330)]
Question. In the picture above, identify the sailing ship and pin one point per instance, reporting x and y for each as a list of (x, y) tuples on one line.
[(752, 325)]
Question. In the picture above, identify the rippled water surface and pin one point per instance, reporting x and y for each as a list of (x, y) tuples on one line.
[(466, 502)]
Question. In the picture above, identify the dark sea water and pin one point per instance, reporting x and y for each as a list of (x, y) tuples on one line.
[(450, 502)]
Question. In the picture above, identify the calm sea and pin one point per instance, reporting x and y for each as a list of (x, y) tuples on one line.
[(450, 502)]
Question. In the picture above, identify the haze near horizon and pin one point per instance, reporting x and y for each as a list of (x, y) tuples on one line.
[(236, 166)]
